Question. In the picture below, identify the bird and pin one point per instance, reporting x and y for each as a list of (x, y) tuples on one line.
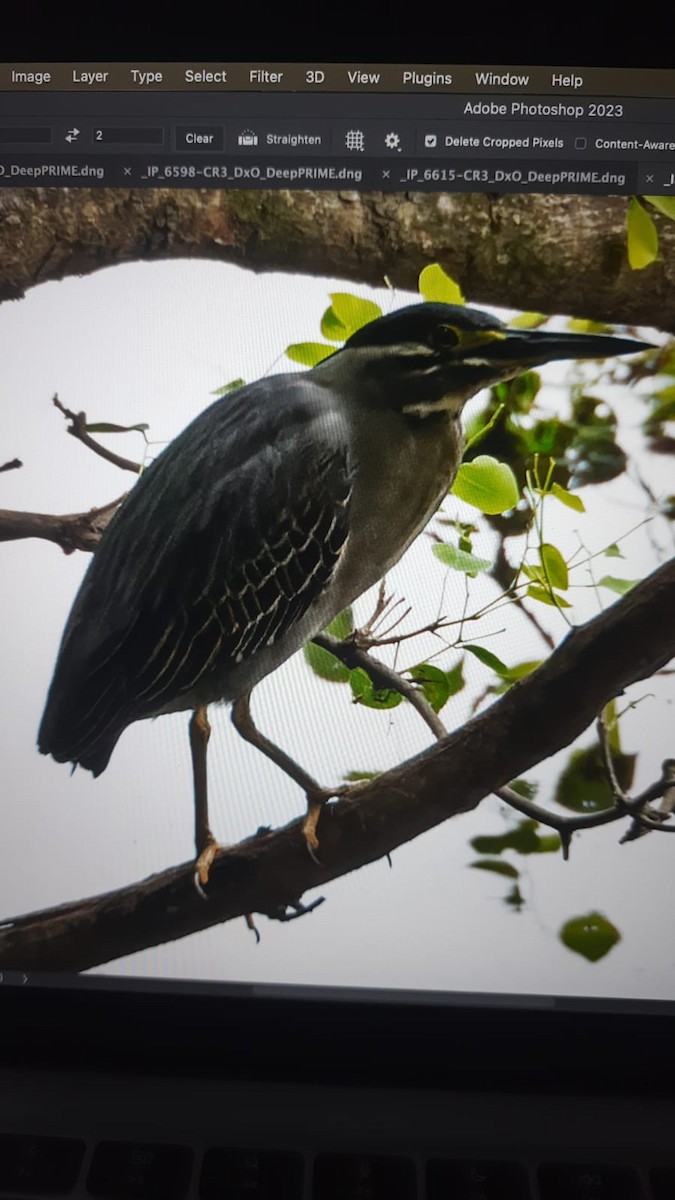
[(276, 508)]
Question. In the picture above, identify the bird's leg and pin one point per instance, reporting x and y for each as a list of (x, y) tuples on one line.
[(316, 795), (206, 845)]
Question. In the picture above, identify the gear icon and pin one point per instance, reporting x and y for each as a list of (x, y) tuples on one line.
[(392, 141)]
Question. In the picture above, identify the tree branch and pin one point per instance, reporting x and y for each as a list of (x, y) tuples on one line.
[(381, 676), (12, 465), (538, 716), (78, 429), (541, 252), (71, 531)]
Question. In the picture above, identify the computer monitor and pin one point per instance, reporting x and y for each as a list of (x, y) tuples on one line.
[(320, 270)]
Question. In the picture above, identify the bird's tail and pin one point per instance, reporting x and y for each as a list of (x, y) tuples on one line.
[(69, 732)]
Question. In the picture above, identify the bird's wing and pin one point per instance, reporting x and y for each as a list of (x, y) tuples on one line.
[(219, 549)]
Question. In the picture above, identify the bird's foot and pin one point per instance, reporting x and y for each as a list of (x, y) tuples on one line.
[(315, 802), (204, 863)]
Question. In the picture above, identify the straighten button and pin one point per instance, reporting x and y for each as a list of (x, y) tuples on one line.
[(199, 137)]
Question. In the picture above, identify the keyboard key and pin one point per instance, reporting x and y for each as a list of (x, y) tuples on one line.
[(662, 1180), (566, 1181), (251, 1175), (469, 1179), (136, 1171), (44, 1165), (362, 1177)]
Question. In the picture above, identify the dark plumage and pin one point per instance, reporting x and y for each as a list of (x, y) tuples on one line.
[(276, 507), (222, 544)]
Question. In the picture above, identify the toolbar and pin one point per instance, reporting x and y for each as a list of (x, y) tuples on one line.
[(568, 132), (333, 77)]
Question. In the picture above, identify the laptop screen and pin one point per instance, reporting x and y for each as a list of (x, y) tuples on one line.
[(337, 528)]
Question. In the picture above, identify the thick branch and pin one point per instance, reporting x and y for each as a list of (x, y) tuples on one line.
[(537, 717), (543, 252), (71, 531)]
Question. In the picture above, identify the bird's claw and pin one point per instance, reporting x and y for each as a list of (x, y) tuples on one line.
[(198, 886), (203, 866)]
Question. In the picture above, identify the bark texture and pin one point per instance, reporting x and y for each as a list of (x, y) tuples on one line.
[(547, 253)]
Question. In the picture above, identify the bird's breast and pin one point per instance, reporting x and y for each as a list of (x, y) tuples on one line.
[(404, 470)]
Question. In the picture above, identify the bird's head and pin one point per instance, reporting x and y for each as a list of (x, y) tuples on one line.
[(431, 358)]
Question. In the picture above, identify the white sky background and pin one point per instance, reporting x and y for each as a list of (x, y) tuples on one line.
[(150, 342)]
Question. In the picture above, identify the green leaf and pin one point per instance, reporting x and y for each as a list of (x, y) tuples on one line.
[(535, 573), (489, 660), (583, 786), (233, 386), (523, 669), (525, 788), (527, 320), (515, 898), (613, 551), (342, 625), (309, 353), (665, 204), (490, 843), (460, 560), (487, 484), (664, 409), (554, 566), (436, 285), (433, 682), (357, 776), (591, 936), (332, 328), (549, 844), (323, 663), (524, 839), (583, 325), (620, 586), (455, 678), (352, 312), (643, 239), (496, 865), (365, 693), (544, 597), (107, 427)]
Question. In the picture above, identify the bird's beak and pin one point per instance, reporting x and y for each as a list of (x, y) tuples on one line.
[(533, 347)]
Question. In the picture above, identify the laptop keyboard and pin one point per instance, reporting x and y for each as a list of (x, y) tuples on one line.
[(116, 1170), (138, 1137)]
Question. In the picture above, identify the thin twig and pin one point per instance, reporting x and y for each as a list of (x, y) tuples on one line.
[(353, 656), (12, 465), (503, 574), (591, 820), (78, 429), (608, 762), (650, 822)]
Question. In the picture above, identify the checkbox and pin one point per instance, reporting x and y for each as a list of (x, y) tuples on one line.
[(580, 143)]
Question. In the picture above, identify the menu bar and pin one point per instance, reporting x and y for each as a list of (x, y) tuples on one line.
[(333, 77)]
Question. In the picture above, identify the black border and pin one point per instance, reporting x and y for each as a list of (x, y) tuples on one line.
[(255, 1038)]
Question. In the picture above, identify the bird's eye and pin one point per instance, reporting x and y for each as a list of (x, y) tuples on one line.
[(445, 337)]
